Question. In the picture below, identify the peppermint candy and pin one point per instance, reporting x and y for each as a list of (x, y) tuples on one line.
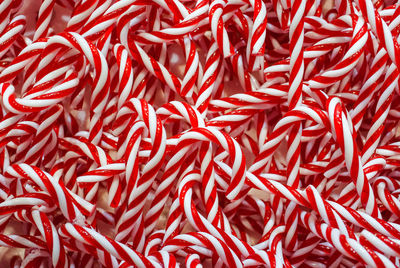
[(219, 133)]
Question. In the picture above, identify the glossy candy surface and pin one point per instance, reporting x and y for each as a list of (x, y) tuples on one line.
[(215, 133)]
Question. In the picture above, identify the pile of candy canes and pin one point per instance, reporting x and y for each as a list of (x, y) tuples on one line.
[(165, 133)]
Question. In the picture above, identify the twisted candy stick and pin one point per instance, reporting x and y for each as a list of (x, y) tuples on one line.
[(350, 248), (296, 36), (353, 162), (91, 237), (5, 10), (217, 28), (11, 33), (68, 204), (257, 35), (44, 17), (101, 80), (49, 233), (143, 184)]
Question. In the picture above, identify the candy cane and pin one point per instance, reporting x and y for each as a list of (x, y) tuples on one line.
[(217, 28), (352, 159), (5, 9), (101, 81), (143, 184), (81, 13), (359, 253), (70, 207), (44, 17), (257, 35), (209, 81), (119, 250), (11, 33)]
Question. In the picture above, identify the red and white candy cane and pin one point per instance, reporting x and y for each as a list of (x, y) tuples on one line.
[(382, 109), (44, 17), (81, 13), (101, 79), (343, 132), (381, 29), (42, 135), (279, 132), (142, 185), (346, 64), (193, 69), (69, 204), (125, 74), (255, 45), (218, 29), (205, 244), (11, 33), (352, 248), (121, 251), (191, 22), (296, 35), (49, 233), (5, 10), (229, 144), (173, 167), (210, 82)]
